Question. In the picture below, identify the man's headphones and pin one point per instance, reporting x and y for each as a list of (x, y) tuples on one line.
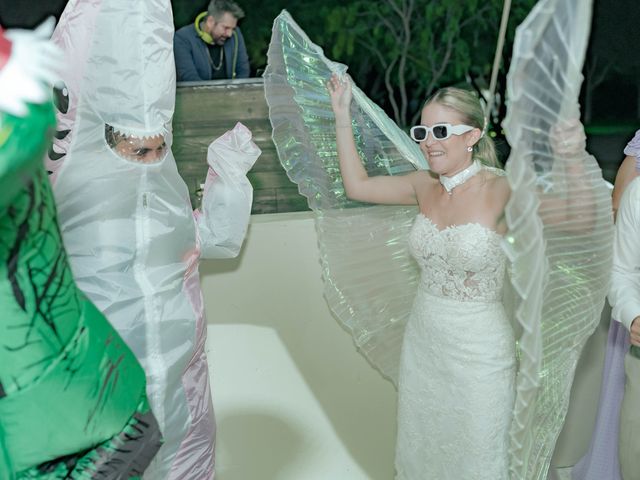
[(206, 38)]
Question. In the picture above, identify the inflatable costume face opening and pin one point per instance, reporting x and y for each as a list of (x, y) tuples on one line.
[(149, 149)]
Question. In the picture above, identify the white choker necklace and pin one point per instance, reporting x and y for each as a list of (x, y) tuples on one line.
[(449, 183)]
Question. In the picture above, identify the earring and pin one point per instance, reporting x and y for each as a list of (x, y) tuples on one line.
[(469, 149)]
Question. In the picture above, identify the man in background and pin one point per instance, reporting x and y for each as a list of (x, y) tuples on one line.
[(212, 48)]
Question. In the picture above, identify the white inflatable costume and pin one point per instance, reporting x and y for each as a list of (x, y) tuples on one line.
[(133, 240)]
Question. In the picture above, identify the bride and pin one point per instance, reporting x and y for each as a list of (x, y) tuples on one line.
[(475, 398), (457, 369)]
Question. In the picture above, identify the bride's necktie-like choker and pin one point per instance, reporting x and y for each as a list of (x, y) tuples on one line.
[(449, 183)]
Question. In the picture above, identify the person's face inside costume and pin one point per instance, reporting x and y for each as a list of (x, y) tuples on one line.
[(221, 29), (136, 149)]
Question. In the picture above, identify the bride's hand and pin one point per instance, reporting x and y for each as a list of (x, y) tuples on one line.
[(340, 93), (568, 139)]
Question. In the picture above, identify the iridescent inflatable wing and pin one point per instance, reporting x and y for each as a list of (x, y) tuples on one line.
[(370, 281), (560, 225)]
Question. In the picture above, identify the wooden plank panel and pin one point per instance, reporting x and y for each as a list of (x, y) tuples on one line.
[(288, 199), (269, 180), (263, 201), (206, 110)]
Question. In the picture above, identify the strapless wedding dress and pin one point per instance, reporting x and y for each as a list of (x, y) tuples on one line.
[(456, 386)]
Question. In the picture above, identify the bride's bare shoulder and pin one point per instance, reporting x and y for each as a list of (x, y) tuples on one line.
[(498, 185), (497, 176)]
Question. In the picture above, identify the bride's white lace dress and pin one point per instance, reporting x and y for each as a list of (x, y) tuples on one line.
[(456, 385)]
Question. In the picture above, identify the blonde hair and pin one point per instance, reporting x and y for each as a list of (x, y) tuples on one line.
[(467, 104)]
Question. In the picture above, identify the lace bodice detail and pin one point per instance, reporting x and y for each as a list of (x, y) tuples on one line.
[(462, 262)]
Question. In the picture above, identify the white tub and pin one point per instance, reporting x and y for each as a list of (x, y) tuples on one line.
[(293, 398)]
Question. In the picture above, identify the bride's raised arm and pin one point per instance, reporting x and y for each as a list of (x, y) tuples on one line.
[(358, 185), (574, 210)]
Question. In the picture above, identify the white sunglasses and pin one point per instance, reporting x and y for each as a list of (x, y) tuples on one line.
[(440, 131)]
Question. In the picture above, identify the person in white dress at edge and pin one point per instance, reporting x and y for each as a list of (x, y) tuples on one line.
[(456, 387), (624, 297)]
